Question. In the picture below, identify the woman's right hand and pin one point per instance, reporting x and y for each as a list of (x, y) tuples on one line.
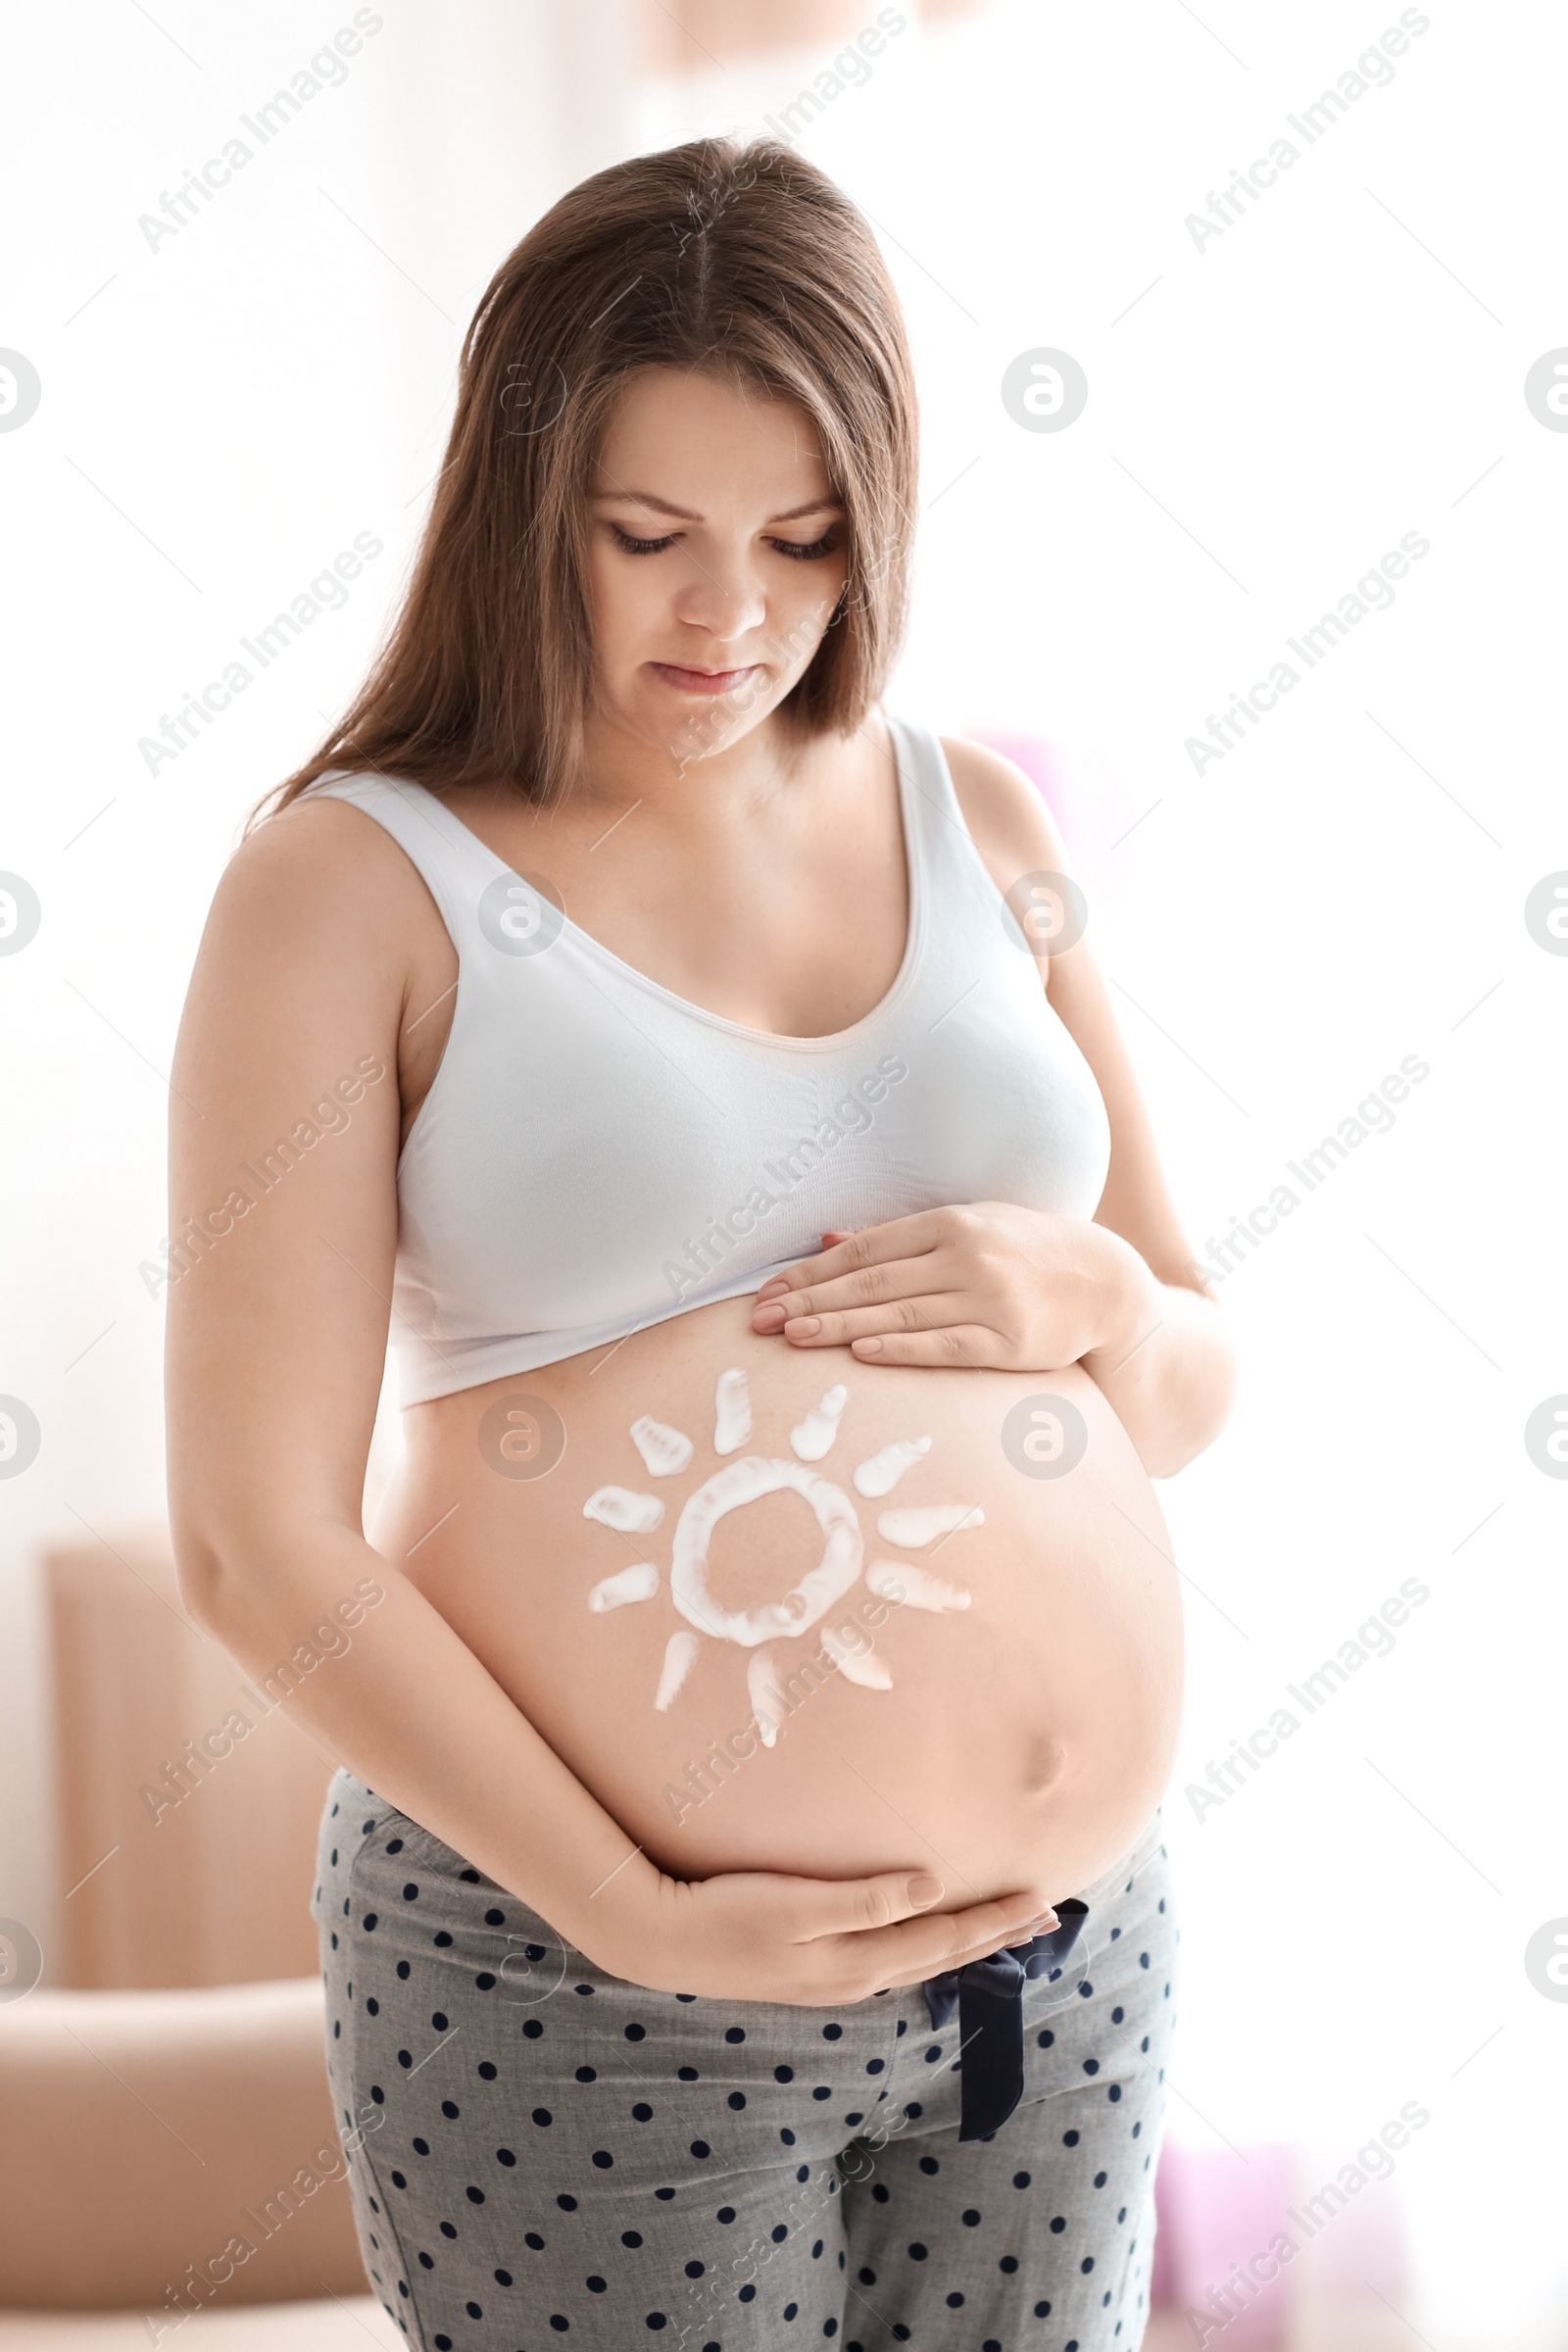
[(768, 1935)]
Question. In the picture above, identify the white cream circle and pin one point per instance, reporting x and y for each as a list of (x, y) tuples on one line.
[(744, 1481)]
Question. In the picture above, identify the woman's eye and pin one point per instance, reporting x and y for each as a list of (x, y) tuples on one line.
[(640, 546), (799, 550)]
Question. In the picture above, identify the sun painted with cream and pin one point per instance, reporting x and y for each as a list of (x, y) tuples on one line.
[(667, 1452)]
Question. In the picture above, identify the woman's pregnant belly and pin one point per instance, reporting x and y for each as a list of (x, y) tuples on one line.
[(933, 1624)]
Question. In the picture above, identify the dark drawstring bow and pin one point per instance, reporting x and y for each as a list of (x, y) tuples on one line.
[(988, 1996)]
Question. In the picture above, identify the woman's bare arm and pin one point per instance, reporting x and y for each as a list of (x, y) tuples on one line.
[(284, 1146), (1169, 1372)]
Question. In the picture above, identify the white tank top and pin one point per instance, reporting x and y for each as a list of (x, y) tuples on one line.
[(597, 1154)]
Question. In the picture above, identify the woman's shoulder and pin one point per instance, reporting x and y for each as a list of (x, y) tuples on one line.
[(1008, 821), (322, 871)]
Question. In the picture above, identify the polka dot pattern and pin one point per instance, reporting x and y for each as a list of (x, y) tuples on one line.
[(543, 2151)]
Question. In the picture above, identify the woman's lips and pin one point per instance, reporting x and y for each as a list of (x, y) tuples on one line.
[(700, 681)]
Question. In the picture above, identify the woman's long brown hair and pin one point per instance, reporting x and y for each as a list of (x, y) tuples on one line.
[(740, 261)]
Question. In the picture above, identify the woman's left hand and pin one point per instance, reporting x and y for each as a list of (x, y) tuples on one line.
[(1013, 1289)]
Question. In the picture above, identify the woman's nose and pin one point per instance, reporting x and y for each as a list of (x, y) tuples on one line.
[(724, 598)]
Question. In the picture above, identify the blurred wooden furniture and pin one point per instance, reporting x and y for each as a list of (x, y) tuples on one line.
[(209, 1885), (151, 2135), (146, 2133), (345, 2324)]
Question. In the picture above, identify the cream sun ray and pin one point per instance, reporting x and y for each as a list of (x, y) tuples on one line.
[(732, 1412), (628, 1513), (663, 1449), (638, 1583), (765, 1692), (814, 1436), (882, 1473), (855, 1664), (680, 1656), (907, 1583), (912, 1529)]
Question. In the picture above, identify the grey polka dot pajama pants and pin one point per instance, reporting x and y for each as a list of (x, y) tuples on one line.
[(544, 2155)]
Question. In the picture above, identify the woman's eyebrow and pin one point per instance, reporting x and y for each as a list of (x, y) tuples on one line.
[(666, 506), (813, 506), (647, 498)]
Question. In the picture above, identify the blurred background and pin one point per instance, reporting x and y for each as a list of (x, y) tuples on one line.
[(1212, 313)]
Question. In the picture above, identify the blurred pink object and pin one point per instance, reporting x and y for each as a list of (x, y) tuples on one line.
[(1218, 2215), (1363, 2256), (1249, 2242)]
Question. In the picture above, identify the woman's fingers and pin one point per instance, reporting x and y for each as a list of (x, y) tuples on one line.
[(811, 1942), (832, 1237), (866, 1285), (872, 1246), (847, 1906), (931, 1310), (893, 1902), (966, 1345), (885, 1924), (917, 1948)]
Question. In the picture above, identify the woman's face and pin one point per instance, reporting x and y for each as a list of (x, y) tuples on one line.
[(718, 557)]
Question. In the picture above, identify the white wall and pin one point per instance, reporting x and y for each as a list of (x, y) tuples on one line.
[(1342, 365)]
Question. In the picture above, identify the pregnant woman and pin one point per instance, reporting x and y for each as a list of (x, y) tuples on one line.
[(741, 1896)]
